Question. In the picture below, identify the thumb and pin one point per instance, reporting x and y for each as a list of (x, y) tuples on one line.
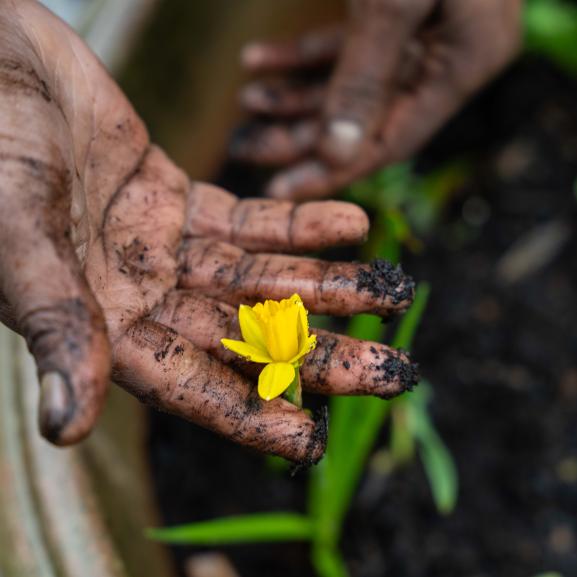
[(48, 299), (365, 76)]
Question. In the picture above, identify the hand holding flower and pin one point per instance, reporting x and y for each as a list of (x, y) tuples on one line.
[(114, 264)]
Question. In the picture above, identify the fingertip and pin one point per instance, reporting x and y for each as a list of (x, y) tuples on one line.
[(307, 180), (320, 436), (56, 407), (65, 417), (72, 352), (328, 223), (386, 282), (279, 188), (398, 374), (342, 141), (252, 96), (357, 222), (313, 449), (356, 367), (273, 145), (253, 56)]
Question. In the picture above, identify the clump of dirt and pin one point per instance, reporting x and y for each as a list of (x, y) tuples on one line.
[(383, 279), (394, 367)]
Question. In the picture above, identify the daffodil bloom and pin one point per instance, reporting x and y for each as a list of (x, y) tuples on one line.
[(276, 334)]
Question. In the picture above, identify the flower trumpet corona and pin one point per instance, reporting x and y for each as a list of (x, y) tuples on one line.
[(276, 334)]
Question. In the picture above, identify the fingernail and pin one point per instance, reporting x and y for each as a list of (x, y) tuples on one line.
[(239, 139), (344, 139), (251, 55), (252, 95), (55, 408), (287, 185)]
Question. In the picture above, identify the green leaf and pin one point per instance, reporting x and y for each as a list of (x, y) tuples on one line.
[(437, 460), (328, 562), (441, 472), (402, 440), (366, 417), (347, 411), (355, 425), (277, 464), (383, 189), (261, 528), (410, 322), (320, 321), (366, 327), (432, 193)]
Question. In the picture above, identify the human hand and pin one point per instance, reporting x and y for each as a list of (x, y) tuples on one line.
[(402, 68), (112, 262)]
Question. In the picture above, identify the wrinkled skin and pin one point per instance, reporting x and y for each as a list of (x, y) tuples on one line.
[(113, 264), (399, 70)]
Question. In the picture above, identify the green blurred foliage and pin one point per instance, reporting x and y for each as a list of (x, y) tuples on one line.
[(551, 30)]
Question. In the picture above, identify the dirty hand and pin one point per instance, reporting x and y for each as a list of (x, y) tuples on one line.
[(113, 263), (402, 68)]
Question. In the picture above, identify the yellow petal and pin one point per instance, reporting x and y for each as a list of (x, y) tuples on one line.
[(275, 379), (281, 334), (251, 328), (271, 307), (303, 324), (247, 351), (308, 345), (259, 310)]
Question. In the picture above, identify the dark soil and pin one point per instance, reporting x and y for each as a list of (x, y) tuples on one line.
[(502, 358), (382, 279)]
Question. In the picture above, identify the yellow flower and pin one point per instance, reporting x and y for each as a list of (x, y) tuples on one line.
[(277, 334)]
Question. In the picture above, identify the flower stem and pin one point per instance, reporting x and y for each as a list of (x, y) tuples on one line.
[(294, 392)]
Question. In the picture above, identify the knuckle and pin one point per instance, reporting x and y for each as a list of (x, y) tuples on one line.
[(64, 328), (22, 79), (466, 76), (470, 60), (37, 173), (456, 73), (358, 98)]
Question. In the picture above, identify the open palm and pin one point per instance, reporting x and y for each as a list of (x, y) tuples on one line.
[(112, 261)]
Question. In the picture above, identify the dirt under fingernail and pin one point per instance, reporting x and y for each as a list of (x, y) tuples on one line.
[(383, 279)]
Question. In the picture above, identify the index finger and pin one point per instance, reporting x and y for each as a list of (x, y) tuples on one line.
[(272, 225)]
